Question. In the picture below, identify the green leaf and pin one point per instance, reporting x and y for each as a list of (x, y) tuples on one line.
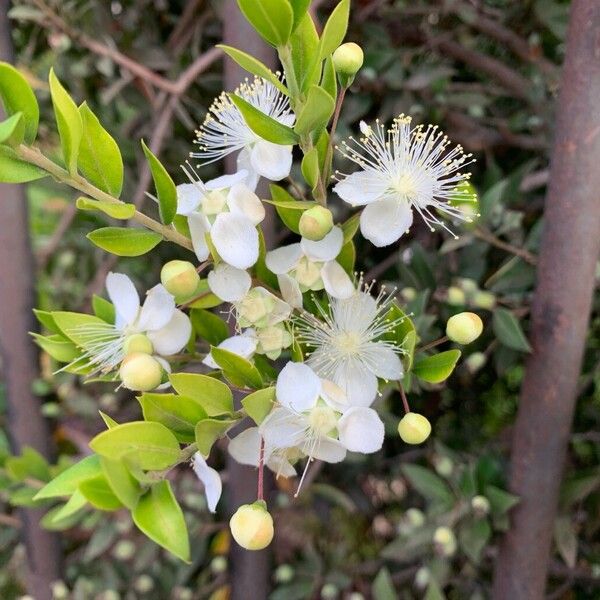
[(70, 324), (62, 513), (159, 516), (30, 464), (214, 396), (288, 208), (98, 493), (508, 330), (304, 45), (347, 258), (428, 484), (310, 167), (125, 241), (12, 130), (209, 431), (122, 483), (300, 8), (473, 537), (436, 368), (45, 318), (403, 335), (116, 210), (335, 29), (254, 66), (57, 347), (434, 592), (67, 482), (108, 421), (264, 126), (209, 326), (272, 19), (179, 413), (566, 541), (68, 120), (239, 371), (15, 170), (316, 112), (165, 187), (99, 159), (350, 227), (383, 586), (329, 78), (148, 445), (17, 96), (259, 404), (500, 501), (103, 309)]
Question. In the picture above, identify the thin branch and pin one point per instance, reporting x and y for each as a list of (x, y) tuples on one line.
[(486, 235)]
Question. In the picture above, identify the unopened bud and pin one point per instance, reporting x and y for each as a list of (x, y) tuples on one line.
[(444, 541), (308, 274), (254, 308), (485, 300), (422, 578), (475, 361), (252, 526), (138, 342), (464, 327), (329, 591), (480, 505), (218, 564), (140, 372), (348, 59), (443, 465), (284, 573), (272, 340), (408, 294), (143, 584), (455, 296), (414, 428), (415, 517), (316, 223), (180, 278), (468, 286)]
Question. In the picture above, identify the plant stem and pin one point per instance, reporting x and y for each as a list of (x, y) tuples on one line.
[(334, 124), (434, 343), (261, 470), (404, 398), (35, 157)]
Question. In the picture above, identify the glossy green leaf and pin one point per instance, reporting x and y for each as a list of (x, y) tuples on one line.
[(438, 367), (99, 494), (259, 404), (383, 586), (304, 45), (69, 122), (58, 347), (501, 501), (272, 19), (473, 537), (428, 484), (114, 210), (209, 431), (159, 516), (165, 187), (508, 330), (125, 241), (316, 112), (15, 170), (335, 29), (264, 126), (71, 323), (209, 326), (62, 513), (329, 78), (108, 421), (310, 167), (17, 96), (12, 130), (29, 464), (122, 483), (239, 371), (214, 396), (103, 309), (65, 483), (288, 208), (350, 227), (300, 8), (347, 258)]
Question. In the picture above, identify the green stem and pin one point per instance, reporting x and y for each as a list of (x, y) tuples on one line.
[(35, 157), (285, 57), (185, 455), (334, 123)]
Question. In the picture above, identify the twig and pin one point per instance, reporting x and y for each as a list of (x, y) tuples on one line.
[(43, 256), (486, 235)]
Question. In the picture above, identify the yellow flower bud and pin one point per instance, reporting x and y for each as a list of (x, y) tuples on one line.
[(348, 59), (475, 361), (140, 372), (480, 506), (414, 428), (444, 541), (308, 274), (464, 327), (469, 286), (456, 297), (180, 278), (252, 526), (316, 223), (138, 342), (485, 300)]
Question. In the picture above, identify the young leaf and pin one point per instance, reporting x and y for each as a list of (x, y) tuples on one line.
[(473, 537), (12, 130), (508, 330), (124, 241), (239, 371), (68, 120), (329, 79), (209, 431), (165, 188), (288, 208), (58, 347), (428, 484), (259, 404), (335, 29), (159, 516), (383, 586), (209, 326), (98, 493), (124, 486), (99, 159), (304, 45), (74, 504), (272, 19), (148, 445), (214, 396), (316, 112), (15, 170), (264, 126), (500, 500), (438, 367), (65, 483), (310, 167), (17, 96), (300, 8), (120, 210)]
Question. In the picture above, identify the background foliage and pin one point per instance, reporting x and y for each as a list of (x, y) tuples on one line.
[(487, 73)]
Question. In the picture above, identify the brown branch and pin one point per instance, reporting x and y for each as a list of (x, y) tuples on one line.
[(484, 234)]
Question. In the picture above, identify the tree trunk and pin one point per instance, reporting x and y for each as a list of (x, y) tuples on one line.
[(27, 426), (560, 314)]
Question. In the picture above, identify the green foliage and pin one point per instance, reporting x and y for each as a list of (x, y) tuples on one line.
[(258, 404), (115, 210), (211, 394), (436, 368), (124, 241), (18, 97), (15, 170), (237, 370), (272, 19), (165, 188)]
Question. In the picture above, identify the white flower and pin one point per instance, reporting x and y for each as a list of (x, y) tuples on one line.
[(243, 345), (402, 169), (315, 417), (229, 211), (310, 265), (261, 308), (210, 479), (167, 328), (347, 347), (225, 131)]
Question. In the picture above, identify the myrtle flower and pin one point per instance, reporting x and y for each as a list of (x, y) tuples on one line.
[(309, 265), (166, 328), (403, 168), (211, 480), (261, 308), (225, 131), (347, 346)]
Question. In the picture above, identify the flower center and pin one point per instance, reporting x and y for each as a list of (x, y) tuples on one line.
[(348, 343), (322, 420), (406, 186)]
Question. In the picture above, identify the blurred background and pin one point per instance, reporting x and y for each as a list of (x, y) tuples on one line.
[(488, 73)]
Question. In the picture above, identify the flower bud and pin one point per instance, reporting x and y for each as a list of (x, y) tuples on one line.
[(316, 223), (414, 428), (143, 584), (468, 286), (480, 506), (308, 275), (180, 278), (254, 307), (218, 564), (485, 300), (455, 296), (138, 342), (284, 573), (443, 466), (252, 526), (408, 294), (475, 361), (422, 578), (348, 59), (272, 340), (140, 372), (464, 328), (415, 517), (329, 591), (444, 541)]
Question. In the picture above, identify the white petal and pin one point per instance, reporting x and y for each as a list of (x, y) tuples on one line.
[(298, 387), (336, 281), (242, 200), (211, 480), (385, 362), (284, 259), (283, 429), (383, 222), (235, 239), (290, 290), (228, 283), (271, 161), (157, 310), (362, 187), (245, 447), (199, 227), (189, 196), (124, 296), (359, 384), (242, 345), (334, 395), (327, 248), (361, 430), (280, 466), (355, 313), (173, 337), (244, 164), (329, 450), (226, 181)]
